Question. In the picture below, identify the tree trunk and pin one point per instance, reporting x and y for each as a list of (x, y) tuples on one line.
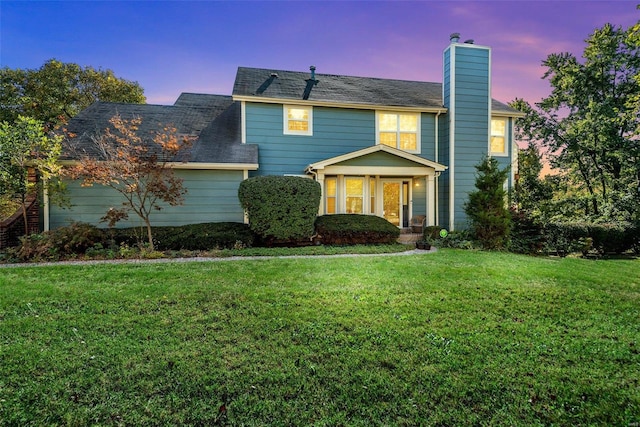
[(149, 235)]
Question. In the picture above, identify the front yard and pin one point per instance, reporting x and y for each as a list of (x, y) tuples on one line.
[(449, 338)]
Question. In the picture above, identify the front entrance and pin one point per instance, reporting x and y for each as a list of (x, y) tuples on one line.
[(395, 202)]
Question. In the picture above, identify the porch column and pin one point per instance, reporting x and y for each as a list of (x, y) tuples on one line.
[(431, 199)]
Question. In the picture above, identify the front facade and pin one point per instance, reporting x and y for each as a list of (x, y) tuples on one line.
[(392, 148)]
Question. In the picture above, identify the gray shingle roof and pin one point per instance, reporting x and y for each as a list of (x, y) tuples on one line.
[(213, 120), (281, 84)]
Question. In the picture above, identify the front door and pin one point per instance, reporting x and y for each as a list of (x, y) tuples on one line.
[(392, 202), (395, 202)]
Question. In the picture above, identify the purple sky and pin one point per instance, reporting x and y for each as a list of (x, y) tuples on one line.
[(171, 47)]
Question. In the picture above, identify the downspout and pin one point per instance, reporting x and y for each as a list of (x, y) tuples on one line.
[(45, 206), (310, 171), (437, 197)]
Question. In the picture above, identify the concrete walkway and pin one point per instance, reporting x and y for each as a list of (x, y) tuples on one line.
[(411, 251)]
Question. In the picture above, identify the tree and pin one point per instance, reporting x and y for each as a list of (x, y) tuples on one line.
[(530, 190), (58, 91), (486, 207), (138, 167), (24, 145), (589, 123)]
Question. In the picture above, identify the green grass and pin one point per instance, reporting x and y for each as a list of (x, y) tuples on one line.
[(450, 338)]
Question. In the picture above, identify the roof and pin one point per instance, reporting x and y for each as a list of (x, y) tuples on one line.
[(213, 121), (437, 167), (330, 88)]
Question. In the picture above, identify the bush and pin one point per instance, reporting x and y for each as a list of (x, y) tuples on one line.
[(527, 235), (194, 237), (454, 239), (60, 243), (431, 232), (222, 235), (354, 229), (281, 209), (565, 238), (85, 239)]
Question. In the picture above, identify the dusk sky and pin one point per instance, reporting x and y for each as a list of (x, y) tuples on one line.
[(170, 47)]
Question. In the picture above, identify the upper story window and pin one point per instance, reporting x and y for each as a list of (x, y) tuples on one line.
[(399, 130), (298, 120), (498, 146)]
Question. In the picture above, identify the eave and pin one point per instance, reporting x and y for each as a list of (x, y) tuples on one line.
[(190, 165), (316, 103)]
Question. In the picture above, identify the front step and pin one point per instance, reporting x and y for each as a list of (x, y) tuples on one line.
[(409, 237)]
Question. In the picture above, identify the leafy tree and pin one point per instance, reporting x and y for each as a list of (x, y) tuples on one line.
[(486, 207), (138, 168), (531, 191), (589, 123), (24, 145), (58, 91)]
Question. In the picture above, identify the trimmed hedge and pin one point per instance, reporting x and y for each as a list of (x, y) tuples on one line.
[(608, 238), (79, 238), (194, 237), (354, 229), (281, 209)]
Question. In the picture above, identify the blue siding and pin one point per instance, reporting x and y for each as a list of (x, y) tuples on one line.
[(419, 199), (336, 131), (212, 197), (470, 82), (428, 136)]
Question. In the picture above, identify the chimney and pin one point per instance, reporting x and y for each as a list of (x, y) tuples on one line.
[(454, 37), (469, 41), (313, 72)]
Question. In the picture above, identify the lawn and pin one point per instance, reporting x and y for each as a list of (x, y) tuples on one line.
[(449, 338)]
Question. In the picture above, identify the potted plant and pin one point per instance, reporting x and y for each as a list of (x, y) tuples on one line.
[(421, 244)]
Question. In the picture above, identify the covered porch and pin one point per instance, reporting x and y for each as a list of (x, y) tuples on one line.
[(379, 180)]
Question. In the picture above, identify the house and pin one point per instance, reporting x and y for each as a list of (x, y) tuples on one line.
[(391, 148)]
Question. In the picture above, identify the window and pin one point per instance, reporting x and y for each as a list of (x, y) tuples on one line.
[(498, 137), (399, 130), (298, 120), (354, 195), (330, 191), (372, 195)]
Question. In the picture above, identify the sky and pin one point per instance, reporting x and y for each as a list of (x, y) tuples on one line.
[(170, 47)]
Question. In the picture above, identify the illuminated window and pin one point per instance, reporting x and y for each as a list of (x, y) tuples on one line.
[(298, 120), (330, 191), (399, 130), (354, 195), (499, 137), (372, 195)]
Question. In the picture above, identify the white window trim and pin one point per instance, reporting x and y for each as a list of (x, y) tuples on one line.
[(345, 194), (504, 153), (418, 130), (285, 120)]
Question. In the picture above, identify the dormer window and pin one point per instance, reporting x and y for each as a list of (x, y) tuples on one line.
[(398, 130), (298, 120)]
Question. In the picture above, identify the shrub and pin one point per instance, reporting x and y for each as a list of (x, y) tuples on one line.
[(195, 237), (222, 235), (59, 243), (489, 217), (431, 232), (281, 209), (454, 239), (353, 229), (565, 238), (526, 233)]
